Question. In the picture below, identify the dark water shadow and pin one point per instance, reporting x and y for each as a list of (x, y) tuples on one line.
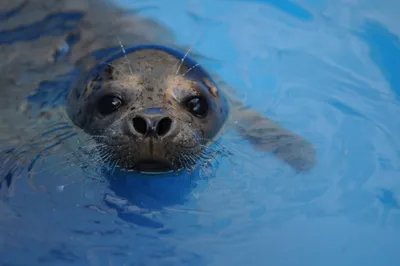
[(57, 24), (384, 51), (136, 210), (10, 13), (136, 195)]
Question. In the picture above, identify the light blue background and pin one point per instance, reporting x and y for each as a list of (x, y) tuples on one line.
[(327, 70)]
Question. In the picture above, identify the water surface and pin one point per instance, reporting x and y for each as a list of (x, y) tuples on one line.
[(324, 69)]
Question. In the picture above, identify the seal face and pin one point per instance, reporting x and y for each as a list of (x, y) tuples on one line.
[(150, 108)]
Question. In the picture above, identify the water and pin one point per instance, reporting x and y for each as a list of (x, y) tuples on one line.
[(324, 69)]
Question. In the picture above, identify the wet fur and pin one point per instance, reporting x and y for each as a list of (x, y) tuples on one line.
[(148, 78)]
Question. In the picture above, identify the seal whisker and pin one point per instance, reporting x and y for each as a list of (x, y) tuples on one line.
[(126, 57), (91, 147), (115, 166), (117, 68), (190, 159), (127, 142), (104, 155), (206, 154), (190, 69), (182, 159), (182, 60)]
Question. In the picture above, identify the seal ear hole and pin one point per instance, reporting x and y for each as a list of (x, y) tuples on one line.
[(198, 106), (109, 104)]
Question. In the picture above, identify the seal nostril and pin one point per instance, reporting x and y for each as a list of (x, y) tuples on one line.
[(164, 126), (140, 125)]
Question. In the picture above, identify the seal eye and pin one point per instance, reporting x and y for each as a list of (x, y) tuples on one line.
[(109, 104), (197, 106)]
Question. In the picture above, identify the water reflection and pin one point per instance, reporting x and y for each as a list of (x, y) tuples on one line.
[(144, 220)]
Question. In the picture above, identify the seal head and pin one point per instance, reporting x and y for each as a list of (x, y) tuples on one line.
[(150, 108)]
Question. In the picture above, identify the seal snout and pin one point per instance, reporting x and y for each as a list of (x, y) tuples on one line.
[(152, 126)]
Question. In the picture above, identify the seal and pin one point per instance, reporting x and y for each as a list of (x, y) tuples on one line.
[(154, 109)]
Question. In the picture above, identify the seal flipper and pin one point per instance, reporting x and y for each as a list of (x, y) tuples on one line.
[(268, 136)]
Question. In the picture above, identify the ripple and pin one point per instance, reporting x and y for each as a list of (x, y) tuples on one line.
[(311, 75), (53, 24), (384, 48), (286, 6)]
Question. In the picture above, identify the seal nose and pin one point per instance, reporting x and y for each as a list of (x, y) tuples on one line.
[(152, 126)]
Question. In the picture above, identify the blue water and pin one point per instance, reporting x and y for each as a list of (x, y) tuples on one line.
[(324, 69)]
